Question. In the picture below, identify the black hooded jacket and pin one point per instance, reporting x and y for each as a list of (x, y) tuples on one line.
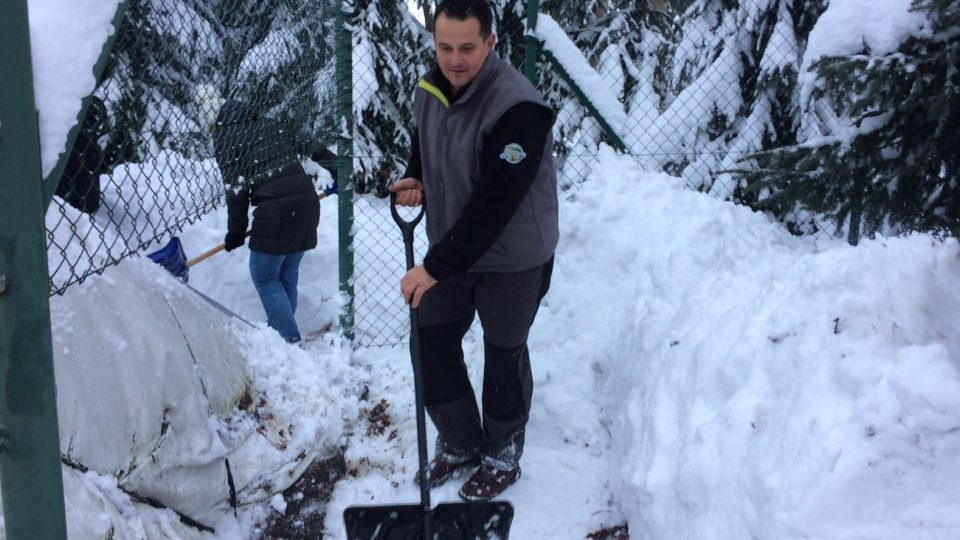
[(259, 165)]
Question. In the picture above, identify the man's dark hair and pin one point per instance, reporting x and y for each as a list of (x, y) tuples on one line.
[(464, 9)]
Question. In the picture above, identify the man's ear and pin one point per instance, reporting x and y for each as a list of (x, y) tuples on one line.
[(491, 41)]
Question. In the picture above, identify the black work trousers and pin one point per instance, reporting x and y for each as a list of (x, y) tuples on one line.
[(507, 304)]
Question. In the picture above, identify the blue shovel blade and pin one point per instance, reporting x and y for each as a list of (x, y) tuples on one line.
[(172, 257)]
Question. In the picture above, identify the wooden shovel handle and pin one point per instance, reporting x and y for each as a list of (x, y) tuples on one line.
[(210, 252)]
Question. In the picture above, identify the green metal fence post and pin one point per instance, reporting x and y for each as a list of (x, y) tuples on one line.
[(531, 45), (30, 474), (344, 71)]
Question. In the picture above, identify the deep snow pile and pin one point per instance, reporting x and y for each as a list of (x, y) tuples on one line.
[(164, 397), (760, 386)]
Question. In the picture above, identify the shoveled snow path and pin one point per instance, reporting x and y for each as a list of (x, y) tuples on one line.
[(563, 491)]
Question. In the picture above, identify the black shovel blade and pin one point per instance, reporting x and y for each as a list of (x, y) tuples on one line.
[(450, 521)]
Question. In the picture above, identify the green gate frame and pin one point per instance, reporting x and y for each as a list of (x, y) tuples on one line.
[(30, 473), (344, 78)]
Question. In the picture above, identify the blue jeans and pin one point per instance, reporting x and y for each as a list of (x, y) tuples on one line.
[(275, 278)]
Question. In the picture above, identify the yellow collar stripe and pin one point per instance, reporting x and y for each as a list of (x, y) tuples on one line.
[(435, 91)]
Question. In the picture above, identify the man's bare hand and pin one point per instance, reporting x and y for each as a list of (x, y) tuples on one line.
[(409, 191), (414, 283)]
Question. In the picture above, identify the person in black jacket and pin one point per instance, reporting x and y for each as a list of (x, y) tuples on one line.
[(258, 161)]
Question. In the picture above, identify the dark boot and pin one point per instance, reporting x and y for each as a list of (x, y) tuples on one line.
[(488, 482), (440, 471)]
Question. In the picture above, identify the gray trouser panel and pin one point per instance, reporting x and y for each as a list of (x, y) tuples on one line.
[(507, 304)]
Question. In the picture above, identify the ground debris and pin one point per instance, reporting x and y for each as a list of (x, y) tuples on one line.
[(617, 532), (379, 419), (306, 502)]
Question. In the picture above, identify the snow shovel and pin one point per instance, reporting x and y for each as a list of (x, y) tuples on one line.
[(217, 249), (448, 521), (172, 257)]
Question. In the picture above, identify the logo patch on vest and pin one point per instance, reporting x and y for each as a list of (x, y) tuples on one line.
[(513, 153)]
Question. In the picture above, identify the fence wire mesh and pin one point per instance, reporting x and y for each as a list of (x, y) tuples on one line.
[(695, 88), (143, 164), (691, 88)]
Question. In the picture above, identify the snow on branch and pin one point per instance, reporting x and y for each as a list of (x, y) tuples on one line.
[(63, 64), (572, 60)]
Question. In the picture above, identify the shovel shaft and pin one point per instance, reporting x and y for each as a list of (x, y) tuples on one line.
[(451, 521), (206, 254), (209, 253), (421, 420), (407, 228)]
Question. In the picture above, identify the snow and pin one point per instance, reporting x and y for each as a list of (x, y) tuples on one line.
[(413, 9), (849, 25), (597, 90), (65, 41), (782, 48), (699, 373), (180, 388), (280, 47), (365, 83)]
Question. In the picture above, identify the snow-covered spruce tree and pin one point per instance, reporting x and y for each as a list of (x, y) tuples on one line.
[(391, 50), (289, 70), (147, 71), (510, 17), (612, 34), (731, 89), (426, 8), (623, 41), (679, 5), (896, 167), (262, 52)]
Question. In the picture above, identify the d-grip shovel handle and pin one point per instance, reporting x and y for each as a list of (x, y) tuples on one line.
[(406, 227)]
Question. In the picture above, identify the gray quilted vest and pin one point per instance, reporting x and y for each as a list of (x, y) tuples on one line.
[(451, 139)]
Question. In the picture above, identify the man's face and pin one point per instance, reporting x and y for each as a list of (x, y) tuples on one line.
[(460, 49)]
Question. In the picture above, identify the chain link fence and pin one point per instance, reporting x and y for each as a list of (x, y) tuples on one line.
[(699, 88), (696, 88), (690, 89), (142, 165), (390, 52)]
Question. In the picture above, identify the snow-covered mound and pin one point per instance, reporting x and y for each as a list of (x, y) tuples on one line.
[(761, 385), (164, 395)]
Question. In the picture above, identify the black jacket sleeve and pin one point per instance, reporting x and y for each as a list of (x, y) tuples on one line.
[(501, 188), (236, 130), (238, 204), (414, 166)]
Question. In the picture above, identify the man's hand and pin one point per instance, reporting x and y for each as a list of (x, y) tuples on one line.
[(414, 283), (409, 192)]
